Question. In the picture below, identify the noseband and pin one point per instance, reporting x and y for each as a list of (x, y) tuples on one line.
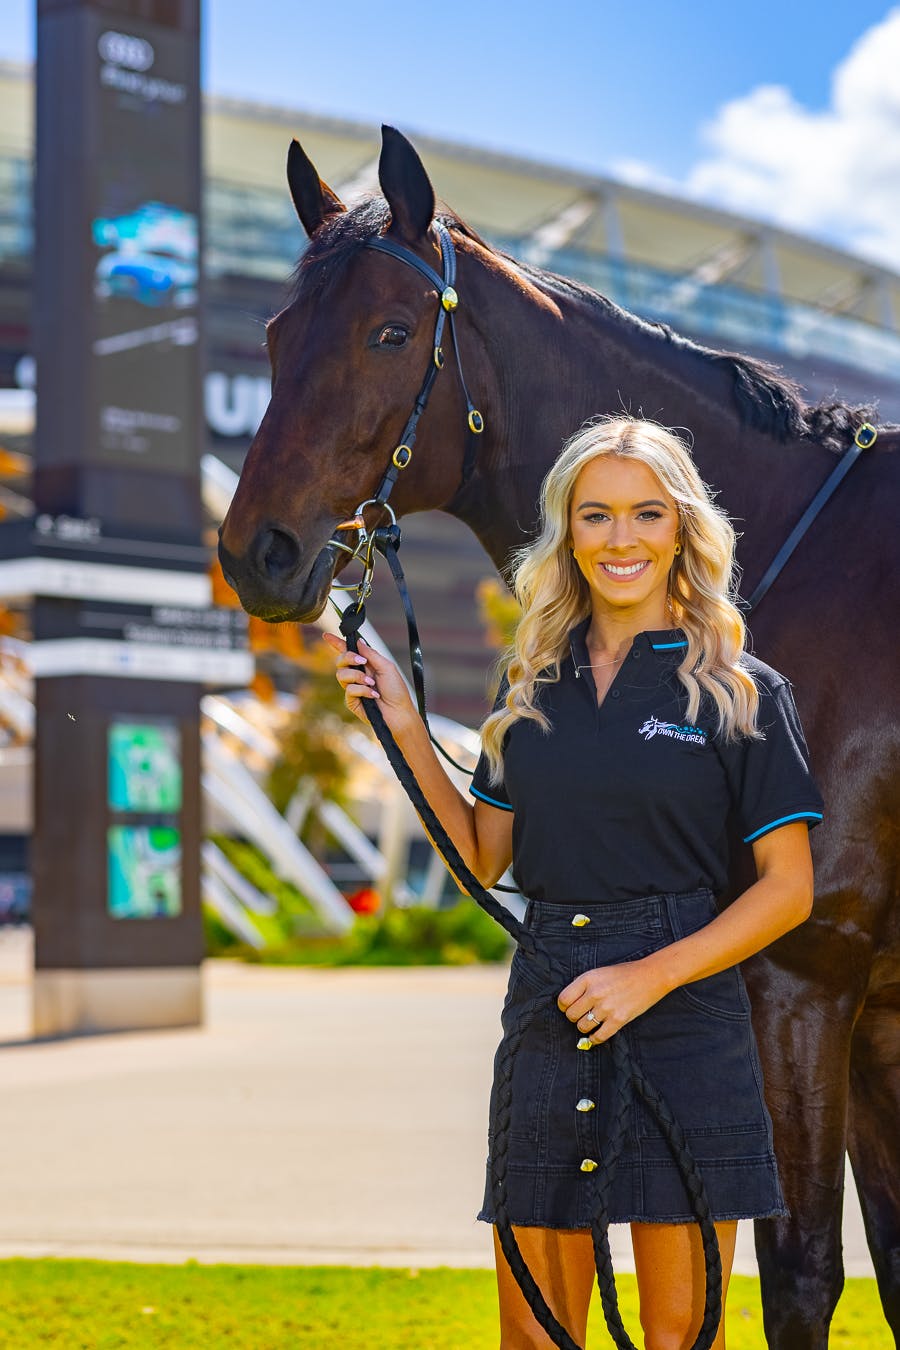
[(368, 541)]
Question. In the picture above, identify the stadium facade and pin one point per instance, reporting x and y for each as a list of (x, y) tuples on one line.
[(829, 319)]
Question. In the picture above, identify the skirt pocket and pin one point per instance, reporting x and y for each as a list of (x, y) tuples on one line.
[(722, 995)]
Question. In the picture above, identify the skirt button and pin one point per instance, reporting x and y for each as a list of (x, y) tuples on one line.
[(585, 1104), (580, 920), (588, 1165), (584, 1043)]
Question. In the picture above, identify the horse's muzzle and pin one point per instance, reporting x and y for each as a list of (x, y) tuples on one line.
[(274, 581)]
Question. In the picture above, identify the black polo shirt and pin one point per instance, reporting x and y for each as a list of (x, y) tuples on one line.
[(628, 799)]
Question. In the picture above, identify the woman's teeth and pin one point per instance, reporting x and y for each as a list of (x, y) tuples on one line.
[(624, 570)]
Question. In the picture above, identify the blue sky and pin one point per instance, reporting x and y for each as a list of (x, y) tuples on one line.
[(666, 93)]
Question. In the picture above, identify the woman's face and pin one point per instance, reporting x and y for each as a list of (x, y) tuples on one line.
[(624, 528)]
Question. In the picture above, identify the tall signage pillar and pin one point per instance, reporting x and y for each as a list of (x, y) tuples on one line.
[(123, 635)]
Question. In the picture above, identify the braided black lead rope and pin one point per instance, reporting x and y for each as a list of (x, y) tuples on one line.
[(628, 1076)]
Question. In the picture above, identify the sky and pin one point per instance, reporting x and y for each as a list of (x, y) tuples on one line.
[(786, 110)]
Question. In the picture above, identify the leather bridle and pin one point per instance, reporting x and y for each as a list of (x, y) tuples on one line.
[(368, 541), (385, 538)]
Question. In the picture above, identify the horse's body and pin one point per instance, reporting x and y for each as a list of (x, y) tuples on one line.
[(541, 355)]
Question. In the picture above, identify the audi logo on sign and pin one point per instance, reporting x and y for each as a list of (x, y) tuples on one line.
[(120, 49)]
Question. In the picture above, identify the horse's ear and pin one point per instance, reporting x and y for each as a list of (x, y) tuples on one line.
[(406, 187), (313, 200)]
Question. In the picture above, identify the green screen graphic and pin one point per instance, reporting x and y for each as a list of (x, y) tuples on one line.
[(144, 863), (144, 766)]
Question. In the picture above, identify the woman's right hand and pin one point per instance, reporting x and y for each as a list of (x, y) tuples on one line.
[(368, 674)]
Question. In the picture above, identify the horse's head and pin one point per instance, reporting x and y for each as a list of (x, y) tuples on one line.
[(348, 356)]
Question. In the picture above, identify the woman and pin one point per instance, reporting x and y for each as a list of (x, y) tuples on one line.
[(631, 735)]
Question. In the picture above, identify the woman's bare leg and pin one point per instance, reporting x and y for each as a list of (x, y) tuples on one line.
[(562, 1263), (671, 1277)]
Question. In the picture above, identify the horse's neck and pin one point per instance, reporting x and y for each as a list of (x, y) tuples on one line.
[(553, 360)]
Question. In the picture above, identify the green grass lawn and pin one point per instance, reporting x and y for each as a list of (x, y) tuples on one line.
[(97, 1305)]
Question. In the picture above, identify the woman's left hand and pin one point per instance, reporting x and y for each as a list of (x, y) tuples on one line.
[(601, 1001)]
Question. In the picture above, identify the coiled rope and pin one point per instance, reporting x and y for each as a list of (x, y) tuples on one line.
[(628, 1078)]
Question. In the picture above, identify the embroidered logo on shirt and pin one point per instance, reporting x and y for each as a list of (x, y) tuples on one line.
[(653, 727)]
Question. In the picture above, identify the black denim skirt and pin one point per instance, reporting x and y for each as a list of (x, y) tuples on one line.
[(696, 1046)]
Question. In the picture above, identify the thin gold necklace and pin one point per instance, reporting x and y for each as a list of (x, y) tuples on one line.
[(599, 665)]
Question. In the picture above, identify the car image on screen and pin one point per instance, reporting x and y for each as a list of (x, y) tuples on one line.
[(152, 258)]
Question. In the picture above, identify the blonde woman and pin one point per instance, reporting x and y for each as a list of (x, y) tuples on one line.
[(633, 735)]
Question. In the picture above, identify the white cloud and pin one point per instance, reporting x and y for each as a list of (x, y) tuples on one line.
[(834, 173)]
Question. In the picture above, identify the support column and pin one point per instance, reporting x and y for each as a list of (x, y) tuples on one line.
[(118, 935)]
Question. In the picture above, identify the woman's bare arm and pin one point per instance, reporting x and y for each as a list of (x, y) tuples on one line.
[(780, 899)]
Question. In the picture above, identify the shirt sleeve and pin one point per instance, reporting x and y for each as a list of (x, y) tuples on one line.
[(770, 780), (494, 794)]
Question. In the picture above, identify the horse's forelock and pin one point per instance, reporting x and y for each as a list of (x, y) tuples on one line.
[(342, 237)]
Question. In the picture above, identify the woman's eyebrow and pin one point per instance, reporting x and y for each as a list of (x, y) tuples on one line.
[(605, 506)]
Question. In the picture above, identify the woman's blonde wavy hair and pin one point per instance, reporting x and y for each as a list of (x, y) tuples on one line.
[(555, 596)]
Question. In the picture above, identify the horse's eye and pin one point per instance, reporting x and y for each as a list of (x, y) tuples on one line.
[(392, 336)]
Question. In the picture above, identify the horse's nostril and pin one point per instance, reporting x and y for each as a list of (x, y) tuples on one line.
[(279, 554)]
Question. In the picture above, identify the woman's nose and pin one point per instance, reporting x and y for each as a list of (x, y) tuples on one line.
[(621, 533)]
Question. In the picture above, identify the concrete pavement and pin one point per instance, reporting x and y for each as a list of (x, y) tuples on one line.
[(318, 1117)]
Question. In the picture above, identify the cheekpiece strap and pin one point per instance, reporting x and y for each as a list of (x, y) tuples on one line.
[(449, 300)]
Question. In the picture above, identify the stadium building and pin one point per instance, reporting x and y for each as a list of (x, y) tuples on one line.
[(829, 319)]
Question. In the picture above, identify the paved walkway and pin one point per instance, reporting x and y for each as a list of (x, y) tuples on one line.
[(318, 1117)]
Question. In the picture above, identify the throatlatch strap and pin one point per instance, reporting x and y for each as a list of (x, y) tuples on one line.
[(627, 1076)]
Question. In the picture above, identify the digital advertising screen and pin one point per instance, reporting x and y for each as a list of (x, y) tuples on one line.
[(144, 867), (144, 766), (144, 237)]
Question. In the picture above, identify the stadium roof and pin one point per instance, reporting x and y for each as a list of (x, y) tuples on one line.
[(541, 208), (552, 208)]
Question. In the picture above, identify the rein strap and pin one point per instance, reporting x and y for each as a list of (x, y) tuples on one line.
[(864, 439)]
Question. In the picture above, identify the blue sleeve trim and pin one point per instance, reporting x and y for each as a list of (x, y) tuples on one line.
[(782, 820), (503, 806), (666, 646)]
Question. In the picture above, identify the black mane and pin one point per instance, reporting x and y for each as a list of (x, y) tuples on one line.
[(766, 399)]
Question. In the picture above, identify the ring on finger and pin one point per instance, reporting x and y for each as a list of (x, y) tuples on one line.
[(589, 1016)]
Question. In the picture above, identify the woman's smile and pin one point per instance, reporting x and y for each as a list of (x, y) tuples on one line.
[(625, 571)]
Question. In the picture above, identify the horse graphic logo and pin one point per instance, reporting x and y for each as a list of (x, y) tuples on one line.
[(672, 731)]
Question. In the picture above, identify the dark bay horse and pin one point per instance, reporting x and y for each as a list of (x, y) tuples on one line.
[(541, 354)]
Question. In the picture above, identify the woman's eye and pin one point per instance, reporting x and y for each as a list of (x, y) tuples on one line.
[(392, 335), (650, 515)]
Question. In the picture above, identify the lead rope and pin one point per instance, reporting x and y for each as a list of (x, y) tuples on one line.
[(628, 1077)]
